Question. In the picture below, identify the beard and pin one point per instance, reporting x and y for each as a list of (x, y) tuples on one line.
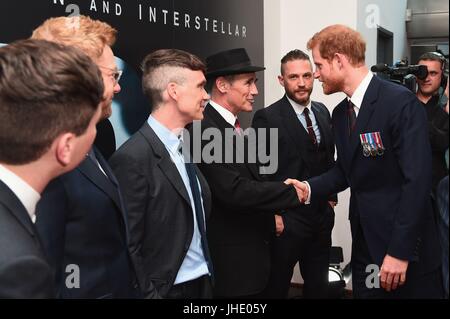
[(300, 100), (332, 85)]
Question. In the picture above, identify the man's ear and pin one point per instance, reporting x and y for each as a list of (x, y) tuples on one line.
[(64, 146), (341, 60), (222, 84), (172, 90), (281, 80)]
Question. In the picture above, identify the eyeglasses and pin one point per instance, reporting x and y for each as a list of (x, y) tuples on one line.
[(116, 74)]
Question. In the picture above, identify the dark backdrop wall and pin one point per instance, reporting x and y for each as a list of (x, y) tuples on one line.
[(202, 27)]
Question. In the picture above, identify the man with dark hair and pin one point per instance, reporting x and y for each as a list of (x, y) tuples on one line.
[(438, 125), (167, 197), (244, 203), (42, 86), (306, 149), (83, 220), (384, 156)]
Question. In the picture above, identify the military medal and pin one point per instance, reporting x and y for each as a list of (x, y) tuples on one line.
[(380, 145), (365, 145), (373, 146)]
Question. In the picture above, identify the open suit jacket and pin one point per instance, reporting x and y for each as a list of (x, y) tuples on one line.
[(159, 209), (390, 194), (82, 221), (296, 160), (242, 220), (24, 271)]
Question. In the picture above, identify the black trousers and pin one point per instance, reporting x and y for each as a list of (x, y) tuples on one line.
[(417, 286), (200, 288), (310, 247)]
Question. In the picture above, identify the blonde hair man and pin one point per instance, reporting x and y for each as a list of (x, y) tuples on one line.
[(84, 208)]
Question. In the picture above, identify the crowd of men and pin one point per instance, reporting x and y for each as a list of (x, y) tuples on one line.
[(164, 219)]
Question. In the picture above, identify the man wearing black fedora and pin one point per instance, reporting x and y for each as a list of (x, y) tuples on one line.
[(244, 204)]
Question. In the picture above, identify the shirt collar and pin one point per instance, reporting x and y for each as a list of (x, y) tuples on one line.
[(24, 192), (167, 137), (299, 108), (227, 115), (358, 95)]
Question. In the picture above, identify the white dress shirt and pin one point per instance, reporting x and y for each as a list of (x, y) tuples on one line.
[(229, 117), (358, 95)]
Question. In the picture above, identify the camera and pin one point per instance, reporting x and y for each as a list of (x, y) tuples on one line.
[(402, 73)]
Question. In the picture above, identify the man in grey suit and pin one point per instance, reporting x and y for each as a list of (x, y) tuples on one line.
[(42, 85), (168, 199)]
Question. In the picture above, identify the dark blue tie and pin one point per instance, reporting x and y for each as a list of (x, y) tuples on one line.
[(190, 169), (351, 117)]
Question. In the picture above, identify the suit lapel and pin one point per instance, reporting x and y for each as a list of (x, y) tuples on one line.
[(165, 162), (206, 193), (365, 113), (114, 181), (92, 172), (15, 206), (322, 122)]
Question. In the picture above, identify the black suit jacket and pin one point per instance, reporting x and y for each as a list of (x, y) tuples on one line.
[(24, 271), (82, 221), (390, 194), (159, 209), (297, 158), (242, 221)]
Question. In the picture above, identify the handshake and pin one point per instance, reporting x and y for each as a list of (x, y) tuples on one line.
[(301, 188)]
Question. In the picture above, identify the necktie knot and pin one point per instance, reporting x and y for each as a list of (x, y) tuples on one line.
[(237, 127)]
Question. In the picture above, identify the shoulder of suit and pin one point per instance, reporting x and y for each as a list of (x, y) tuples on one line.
[(278, 103), (341, 107), (389, 88), (132, 148), (319, 105), (272, 108)]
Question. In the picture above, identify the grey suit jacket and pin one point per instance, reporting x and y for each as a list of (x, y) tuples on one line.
[(159, 210)]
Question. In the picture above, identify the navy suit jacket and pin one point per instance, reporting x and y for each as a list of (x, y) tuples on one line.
[(390, 194), (297, 158), (24, 272), (82, 221)]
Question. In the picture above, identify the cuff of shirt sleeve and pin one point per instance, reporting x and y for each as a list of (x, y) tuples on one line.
[(308, 199)]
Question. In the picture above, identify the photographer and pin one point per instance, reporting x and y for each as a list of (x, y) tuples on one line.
[(428, 94)]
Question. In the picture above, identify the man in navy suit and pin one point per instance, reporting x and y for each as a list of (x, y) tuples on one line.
[(41, 85), (384, 156), (305, 149), (83, 222)]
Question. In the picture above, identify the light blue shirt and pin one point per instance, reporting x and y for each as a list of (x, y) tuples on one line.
[(194, 264), (298, 109)]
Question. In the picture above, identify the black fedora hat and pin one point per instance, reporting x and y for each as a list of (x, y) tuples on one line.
[(235, 61)]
